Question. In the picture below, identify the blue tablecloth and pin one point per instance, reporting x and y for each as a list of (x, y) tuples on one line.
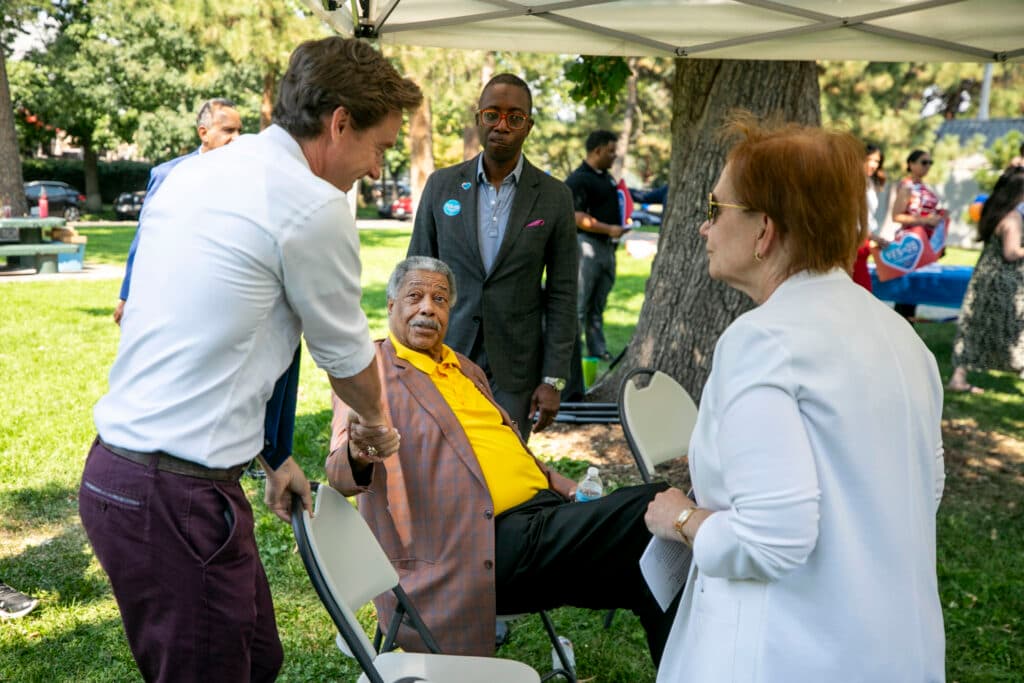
[(933, 285)]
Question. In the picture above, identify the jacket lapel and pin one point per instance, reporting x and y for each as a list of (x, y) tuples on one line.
[(469, 198), (522, 205)]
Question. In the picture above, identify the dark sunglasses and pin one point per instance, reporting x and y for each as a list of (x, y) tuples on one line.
[(926, 162), (492, 117), (713, 207)]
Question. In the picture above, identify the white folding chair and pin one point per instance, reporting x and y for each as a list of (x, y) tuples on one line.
[(657, 419), (348, 568)]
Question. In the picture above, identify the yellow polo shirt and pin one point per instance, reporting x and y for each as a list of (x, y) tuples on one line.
[(511, 472)]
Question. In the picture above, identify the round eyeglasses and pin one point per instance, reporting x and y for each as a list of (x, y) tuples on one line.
[(492, 117)]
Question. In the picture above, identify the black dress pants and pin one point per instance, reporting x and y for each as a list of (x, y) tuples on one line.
[(551, 553)]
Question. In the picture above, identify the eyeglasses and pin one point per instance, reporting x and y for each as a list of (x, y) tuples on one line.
[(926, 162), (492, 117), (713, 207)]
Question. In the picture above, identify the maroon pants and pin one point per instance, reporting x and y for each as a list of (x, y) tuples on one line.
[(182, 559)]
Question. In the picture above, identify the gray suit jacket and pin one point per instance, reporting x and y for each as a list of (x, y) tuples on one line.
[(528, 330)]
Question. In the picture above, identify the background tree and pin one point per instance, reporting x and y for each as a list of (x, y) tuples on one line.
[(245, 43), (13, 16), (684, 311), (101, 69), (900, 105)]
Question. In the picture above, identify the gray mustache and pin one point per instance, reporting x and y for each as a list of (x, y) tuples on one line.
[(426, 322)]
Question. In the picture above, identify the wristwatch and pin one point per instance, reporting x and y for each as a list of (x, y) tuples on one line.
[(681, 520), (557, 382)]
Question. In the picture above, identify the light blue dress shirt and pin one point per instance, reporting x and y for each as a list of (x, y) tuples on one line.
[(493, 208)]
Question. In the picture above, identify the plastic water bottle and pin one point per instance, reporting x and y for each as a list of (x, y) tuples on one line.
[(590, 486), (556, 661)]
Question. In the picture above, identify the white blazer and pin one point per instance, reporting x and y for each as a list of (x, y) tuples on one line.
[(818, 445)]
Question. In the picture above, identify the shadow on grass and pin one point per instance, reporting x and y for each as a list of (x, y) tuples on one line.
[(312, 444), (982, 468), (94, 650), (980, 530), (629, 284), (396, 239), (97, 311), (58, 567), (46, 504)]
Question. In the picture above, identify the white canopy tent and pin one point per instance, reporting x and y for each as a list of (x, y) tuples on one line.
[(876, 30)]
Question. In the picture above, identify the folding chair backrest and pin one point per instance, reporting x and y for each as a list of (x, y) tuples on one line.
[(657, 419), (353, 565), (348, 551)]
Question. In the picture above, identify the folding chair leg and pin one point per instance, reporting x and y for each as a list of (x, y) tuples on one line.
[(378, 638), (567, 669)]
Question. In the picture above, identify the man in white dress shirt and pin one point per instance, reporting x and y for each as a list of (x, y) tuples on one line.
[(247, 247)]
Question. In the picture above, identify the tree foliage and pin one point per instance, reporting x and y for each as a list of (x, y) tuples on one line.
[(245, 45), (597, 81), (101, 70), (900, 106)]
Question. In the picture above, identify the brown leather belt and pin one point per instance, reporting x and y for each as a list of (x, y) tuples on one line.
[(168, 463)]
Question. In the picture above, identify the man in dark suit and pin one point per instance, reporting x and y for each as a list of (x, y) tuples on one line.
[(501, 224)]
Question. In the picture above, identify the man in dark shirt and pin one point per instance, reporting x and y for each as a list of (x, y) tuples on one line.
[(598, 226)]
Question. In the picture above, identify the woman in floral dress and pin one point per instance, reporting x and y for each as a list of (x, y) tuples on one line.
[(991, 330)]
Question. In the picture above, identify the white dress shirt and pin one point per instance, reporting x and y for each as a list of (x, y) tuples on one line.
[(244, 249), (818, 446)]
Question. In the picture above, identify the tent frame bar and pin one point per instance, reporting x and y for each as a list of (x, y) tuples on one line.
[(369, 27)]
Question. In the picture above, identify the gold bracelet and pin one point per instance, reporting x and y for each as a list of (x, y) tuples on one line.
[(681, 520)]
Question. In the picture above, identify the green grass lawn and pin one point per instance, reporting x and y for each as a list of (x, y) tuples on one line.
[(57, 342)]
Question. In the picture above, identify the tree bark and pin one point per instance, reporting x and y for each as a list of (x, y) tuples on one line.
[(628, 121), (421, 150), (684, 311), (267, 103), (90, 165), (12, 188)]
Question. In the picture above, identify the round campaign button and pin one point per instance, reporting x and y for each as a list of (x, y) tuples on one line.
[(452, 207)]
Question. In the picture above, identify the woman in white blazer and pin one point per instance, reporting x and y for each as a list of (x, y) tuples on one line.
[(817, 455)]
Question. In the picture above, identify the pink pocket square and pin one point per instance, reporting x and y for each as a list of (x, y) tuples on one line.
[(535, 224)]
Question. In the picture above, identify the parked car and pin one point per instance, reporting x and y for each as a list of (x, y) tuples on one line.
[(379, 190), (399, 206), (128, 205), (63, 199)]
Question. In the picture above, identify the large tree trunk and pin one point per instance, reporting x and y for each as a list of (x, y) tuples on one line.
[(628, 121), (90, 163), (12, 190), (421, 150), (267, 103), (684, 311)]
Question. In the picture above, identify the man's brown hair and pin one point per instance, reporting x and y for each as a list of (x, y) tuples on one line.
[(809, 181), (340, 72)]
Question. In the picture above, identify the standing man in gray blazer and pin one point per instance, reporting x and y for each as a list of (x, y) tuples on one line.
[(504, 227)]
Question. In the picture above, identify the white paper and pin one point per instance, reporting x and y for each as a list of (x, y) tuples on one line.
[(664, 566)]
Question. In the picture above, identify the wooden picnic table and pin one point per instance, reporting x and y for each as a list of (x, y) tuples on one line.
[(28, 241)]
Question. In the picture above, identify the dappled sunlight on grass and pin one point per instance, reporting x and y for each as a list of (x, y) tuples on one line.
[(57, 342)]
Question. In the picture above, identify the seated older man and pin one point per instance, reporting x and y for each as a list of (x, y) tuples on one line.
[(474, 524)]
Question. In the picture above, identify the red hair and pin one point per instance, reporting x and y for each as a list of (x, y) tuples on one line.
[(809, 181)]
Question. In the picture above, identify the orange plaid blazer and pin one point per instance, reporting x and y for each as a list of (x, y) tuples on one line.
[(430, 508)]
